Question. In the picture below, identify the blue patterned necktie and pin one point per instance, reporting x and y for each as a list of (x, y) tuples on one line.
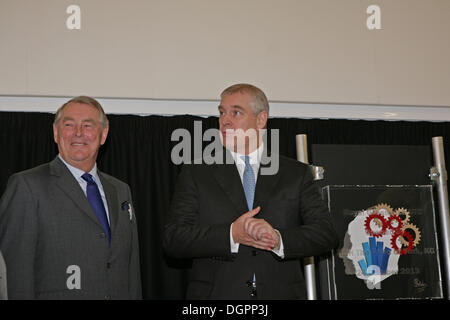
[(94, 197), (248, 181)]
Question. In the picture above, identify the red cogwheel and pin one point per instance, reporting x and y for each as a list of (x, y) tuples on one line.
[(368, 228), (401, 250), (394, 223)]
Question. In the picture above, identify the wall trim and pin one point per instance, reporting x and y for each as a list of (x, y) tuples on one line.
[(209, 108)]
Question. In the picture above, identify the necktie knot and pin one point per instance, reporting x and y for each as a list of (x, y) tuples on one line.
[(88, 178), (246, 160)]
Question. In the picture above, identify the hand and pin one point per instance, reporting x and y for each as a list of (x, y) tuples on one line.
[(253, 232), (261, 230)]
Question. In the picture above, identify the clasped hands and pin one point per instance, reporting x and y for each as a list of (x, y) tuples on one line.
[(254, 232)]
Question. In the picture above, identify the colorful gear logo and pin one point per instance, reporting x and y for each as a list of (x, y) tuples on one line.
[(402, 235), (394, 223), (379, 221), (403, 212), (416, 231), (384, 208)]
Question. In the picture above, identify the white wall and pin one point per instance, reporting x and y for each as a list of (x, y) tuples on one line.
[(305, 52)]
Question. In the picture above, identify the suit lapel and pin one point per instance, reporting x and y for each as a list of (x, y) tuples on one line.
[(69, 185), (228, 178), (264, 186)]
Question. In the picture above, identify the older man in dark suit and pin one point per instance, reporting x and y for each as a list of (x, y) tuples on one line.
[(67, 230), (244, 229)]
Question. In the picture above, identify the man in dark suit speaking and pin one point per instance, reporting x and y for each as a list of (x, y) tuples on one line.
[(67, 230), (244, 229)]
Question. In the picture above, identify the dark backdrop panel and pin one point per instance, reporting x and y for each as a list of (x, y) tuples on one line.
[(373, 164), (138, 152)]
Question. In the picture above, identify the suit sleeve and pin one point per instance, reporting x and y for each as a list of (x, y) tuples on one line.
[(19, 237), (184, 236), (134, 270), (317, 233)]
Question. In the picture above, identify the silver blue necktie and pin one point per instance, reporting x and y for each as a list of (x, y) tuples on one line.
[(248, 181)]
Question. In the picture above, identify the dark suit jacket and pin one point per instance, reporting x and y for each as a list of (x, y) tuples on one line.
[(208, 198), (47, 224), (3, 292)]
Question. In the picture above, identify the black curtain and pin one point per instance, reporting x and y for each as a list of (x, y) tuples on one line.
[(138, 151)]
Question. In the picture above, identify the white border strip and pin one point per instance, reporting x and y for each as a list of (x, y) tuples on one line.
[(209, 108)]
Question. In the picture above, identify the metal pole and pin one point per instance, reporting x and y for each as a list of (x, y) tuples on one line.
[(308, 263), (302, 148), (439, 175)]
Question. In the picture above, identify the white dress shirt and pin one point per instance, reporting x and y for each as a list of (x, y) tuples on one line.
[(255, 161), (77, 173)]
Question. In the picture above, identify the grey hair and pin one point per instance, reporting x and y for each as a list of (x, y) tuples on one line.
[(85, 100), (260, 102)]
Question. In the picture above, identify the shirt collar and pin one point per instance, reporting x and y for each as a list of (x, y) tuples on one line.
[(77, 173), (254, 157)]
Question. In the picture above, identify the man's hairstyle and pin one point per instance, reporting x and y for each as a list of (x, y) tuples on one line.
[(85, 100), (260, 102)]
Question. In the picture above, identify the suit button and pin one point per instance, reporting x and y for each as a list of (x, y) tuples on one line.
[(102, 235), (108, 265), (107, 297)]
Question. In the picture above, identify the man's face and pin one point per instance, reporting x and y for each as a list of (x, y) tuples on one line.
[(79, 134), (236, 113)]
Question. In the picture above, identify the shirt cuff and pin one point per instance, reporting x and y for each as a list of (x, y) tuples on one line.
[(234, 246), (280, 251)]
